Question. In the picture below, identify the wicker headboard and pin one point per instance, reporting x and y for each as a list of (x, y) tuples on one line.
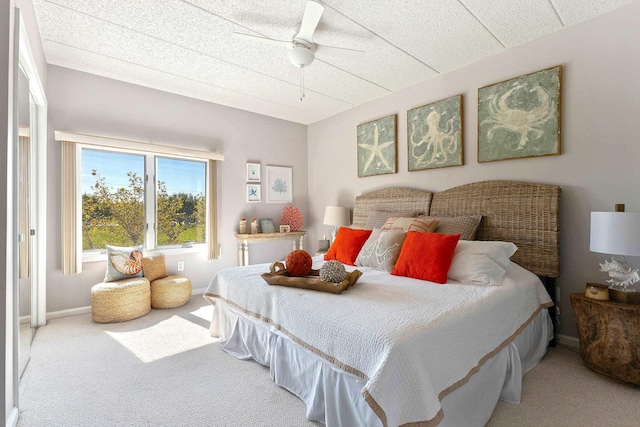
[(393, 199), (526, 214)]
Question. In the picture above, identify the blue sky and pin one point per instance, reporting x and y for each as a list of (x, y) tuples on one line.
[(179, 175)]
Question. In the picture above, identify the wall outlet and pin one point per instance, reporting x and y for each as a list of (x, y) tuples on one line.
[(180, 266)]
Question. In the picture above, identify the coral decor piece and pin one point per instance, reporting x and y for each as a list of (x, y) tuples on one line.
[(298, 263), (333, 271), (292, 217), (620, 276)]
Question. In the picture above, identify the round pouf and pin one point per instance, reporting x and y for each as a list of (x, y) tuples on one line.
[(121, 300), (170, 292)]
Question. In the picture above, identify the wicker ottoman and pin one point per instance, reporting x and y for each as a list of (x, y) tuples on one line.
[(121, 300), (170, 292)]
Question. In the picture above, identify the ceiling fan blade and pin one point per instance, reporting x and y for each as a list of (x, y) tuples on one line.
[(312, 13), (341, 52), (262, 39)]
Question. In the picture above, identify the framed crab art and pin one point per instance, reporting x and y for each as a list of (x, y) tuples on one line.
[(520, 117)]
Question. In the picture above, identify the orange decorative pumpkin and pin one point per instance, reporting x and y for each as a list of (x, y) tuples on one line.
[(298, 263)]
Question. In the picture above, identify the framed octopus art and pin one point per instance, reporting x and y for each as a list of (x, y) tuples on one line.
[(434, 135), (520, 117)]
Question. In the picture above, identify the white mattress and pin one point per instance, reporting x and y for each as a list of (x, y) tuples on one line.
[(433, 340)]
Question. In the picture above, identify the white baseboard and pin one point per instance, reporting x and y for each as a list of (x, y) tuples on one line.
[(569, 341), (87, 310), (70, 312)]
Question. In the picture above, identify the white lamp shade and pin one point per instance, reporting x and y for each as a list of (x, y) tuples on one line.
[(337, 216), (616, 233)]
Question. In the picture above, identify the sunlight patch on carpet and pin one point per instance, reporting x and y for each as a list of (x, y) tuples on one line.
[(167, 338), (205, 312)]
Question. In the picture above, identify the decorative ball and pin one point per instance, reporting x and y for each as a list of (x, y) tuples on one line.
[(292, 217), (298, 263), (333, 271)]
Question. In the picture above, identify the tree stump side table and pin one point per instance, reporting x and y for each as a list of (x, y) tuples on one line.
[(609, 335)]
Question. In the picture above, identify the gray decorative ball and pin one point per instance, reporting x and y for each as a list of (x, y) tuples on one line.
[(333, 271)]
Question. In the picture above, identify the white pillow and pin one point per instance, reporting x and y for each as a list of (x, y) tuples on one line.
[(480, 263)]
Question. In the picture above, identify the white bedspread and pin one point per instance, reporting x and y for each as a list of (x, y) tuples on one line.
[(412, 341)]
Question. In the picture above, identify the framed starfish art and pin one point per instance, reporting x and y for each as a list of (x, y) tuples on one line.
[(377, 148)]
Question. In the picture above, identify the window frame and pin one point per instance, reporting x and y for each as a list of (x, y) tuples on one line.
[(72, 143), (150, 203)]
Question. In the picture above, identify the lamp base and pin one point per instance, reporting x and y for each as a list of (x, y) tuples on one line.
[(628, 297)]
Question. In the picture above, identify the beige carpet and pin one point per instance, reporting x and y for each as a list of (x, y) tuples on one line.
[(165, 370)]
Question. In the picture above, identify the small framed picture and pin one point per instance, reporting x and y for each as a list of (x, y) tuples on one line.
[(253, 193), (285, 228), (266, 225), (253, 172)]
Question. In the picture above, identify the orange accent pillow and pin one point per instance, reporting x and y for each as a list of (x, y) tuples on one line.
[(347, 245), (426, 256)]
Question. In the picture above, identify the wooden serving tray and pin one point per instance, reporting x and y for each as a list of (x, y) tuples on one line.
[(279, 276)]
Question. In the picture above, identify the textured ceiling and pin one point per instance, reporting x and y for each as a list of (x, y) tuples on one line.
[(186, 46)]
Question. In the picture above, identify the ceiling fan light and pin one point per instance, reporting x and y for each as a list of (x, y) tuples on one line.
[(301, 56)]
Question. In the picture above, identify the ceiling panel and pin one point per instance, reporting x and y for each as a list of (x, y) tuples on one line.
[(186, 46), (575, 11), (443, 34), (515, 23)]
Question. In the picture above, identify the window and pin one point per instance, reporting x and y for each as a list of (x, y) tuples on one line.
[(181, 208), (129, 193), (112, 199), (115, 187)]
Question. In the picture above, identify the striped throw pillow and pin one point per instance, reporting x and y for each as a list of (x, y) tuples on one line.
[(424, 225)]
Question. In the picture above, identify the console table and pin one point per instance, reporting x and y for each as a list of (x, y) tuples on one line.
[(609, 337), (245, 239)]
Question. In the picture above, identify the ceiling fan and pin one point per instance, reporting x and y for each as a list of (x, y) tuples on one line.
[(302, 48)]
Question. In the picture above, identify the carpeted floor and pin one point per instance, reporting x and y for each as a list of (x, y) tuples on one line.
[(164, 369)]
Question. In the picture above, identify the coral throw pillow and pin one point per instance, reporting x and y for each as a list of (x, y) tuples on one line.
[(426, 256), (347, 245)]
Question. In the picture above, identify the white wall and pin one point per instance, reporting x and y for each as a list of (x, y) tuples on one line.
[(599, 165), (85, 103)]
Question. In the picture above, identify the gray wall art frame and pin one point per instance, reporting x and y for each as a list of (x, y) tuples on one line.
[(520, 118), (279, 184), (266, 225), (434, 135), (377, 147)]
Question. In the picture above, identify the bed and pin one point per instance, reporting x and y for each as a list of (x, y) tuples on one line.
[(394, 350)]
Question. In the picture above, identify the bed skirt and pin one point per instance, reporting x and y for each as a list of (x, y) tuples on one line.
[(333, 396)]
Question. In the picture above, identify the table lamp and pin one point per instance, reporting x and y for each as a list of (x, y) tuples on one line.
[(616, 233), (337, 216)]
